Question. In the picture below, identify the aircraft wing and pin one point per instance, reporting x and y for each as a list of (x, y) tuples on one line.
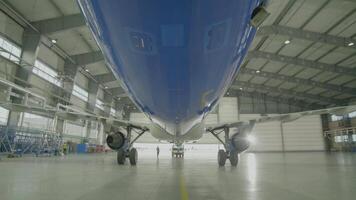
[(287, 117)]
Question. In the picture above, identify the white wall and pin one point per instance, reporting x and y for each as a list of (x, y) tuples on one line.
[(35, 121), (228, 111), (74, 130)]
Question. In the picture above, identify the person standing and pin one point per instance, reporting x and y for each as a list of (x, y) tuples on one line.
[(157, 149), (65, 148)]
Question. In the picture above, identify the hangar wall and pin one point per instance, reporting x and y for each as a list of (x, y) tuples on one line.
[(304, 134), (13, 32)]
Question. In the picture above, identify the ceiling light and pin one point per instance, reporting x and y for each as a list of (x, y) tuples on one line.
[(227, 93), (106, 87), (241, 88), (87, 70), (351, 44), (287, 42), (54, 41), (258, 71)]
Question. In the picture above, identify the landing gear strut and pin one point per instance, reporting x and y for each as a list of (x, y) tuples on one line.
[(230, 152), (127, 151)]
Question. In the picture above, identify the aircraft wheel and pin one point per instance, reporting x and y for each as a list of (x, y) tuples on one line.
[(133, 156), (234, 158), (222, 157), (121, 158)]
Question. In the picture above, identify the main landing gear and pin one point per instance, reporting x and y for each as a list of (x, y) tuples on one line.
[(127, 151), (230, 151)]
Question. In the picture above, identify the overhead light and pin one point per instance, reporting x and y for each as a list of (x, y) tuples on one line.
[(119, 98), (106, 87), (241, 88), (350, 44), (54, 41), (87, 70), (258, 71), (228, 93), (287, 42)]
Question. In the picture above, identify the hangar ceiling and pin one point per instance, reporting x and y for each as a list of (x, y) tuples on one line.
[(305, 52)]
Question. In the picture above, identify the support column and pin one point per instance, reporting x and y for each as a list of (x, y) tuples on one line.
[(282, 137), (30, 47), (108, 104), (93, 88), (70, 71)]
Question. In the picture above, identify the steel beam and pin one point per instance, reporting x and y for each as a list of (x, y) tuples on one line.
[(58, 24), (105, 78), (296, 80), (117, 92), (306, 35), (244, 85), (87, 58), (302, 62)]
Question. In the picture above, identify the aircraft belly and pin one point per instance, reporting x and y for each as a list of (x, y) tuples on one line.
[(175, 58)]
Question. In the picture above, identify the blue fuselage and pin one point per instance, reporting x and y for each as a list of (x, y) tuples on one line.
[(175, 58)]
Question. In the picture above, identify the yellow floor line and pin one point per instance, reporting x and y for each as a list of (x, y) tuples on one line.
[(183, 189)]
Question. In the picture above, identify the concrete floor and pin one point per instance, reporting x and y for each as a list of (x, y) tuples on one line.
[(259, 176)]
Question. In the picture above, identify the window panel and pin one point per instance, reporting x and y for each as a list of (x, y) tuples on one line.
[(9, 50), (338, 139), (4, 114), (99, 104), (47, 73), (352, 114), (112, 111), (336, 118), (80, 93), (36, 121)]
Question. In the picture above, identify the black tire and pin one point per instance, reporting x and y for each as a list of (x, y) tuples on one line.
[(133, 156), (222, 157), (121, 158), (234, 158)]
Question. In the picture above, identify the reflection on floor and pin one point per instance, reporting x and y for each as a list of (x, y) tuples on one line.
[(259, 176)]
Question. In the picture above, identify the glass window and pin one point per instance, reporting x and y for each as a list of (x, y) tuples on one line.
[(4, 114), (338, 139), (336, 118), (47, 73), (35, 121), (346, 138), (9, 50), (112, 111), (354, 137), (99, 104), (74, 129), (80, 93), (352, 114)]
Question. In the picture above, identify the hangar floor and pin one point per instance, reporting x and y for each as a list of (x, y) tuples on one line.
[(259, 176)]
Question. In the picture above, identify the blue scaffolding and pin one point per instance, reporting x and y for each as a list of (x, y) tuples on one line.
[(19, 141)]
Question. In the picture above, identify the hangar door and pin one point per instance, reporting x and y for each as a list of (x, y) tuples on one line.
[(304, 134)]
